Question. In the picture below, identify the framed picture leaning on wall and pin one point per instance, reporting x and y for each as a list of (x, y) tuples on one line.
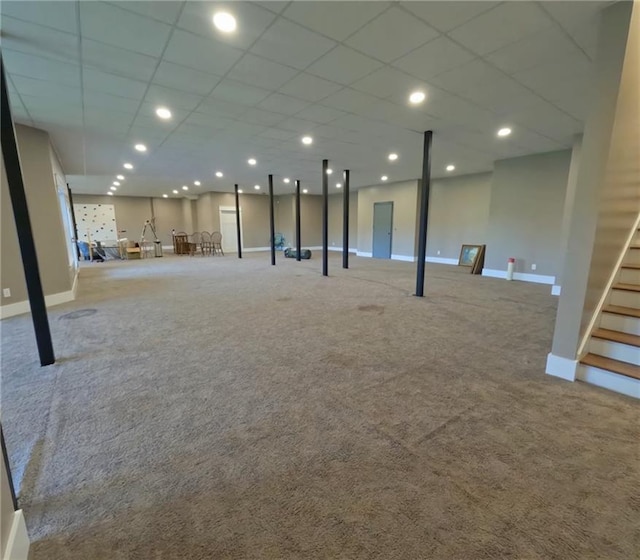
[(473, 257)]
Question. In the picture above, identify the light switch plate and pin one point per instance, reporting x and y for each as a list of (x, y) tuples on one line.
[(6, 292)]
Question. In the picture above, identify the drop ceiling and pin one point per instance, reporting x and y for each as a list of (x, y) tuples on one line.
[(93, 73)]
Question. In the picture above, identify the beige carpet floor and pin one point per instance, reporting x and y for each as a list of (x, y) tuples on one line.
[(216, 408)]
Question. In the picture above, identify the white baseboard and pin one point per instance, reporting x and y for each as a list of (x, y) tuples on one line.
[(17, 547), (441, 260), (609, 380), (363, 254), (351, 250), (403, 258), (522, 276), (564, 368), (255, 249), (556, 290), (21, 307)]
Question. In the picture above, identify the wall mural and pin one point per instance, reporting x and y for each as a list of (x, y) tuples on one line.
[(99, 220)]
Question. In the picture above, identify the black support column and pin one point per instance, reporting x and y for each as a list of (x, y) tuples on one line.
[(298, 240), (7, 467), (23, 227), (272, 222), (238, 233), (345, 220), (424, 211), (325, 218), (73, 220)]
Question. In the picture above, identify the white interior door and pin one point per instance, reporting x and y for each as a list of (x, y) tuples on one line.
[(228, 229)]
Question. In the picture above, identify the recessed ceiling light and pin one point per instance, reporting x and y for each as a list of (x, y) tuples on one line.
[(175, 191), (110, 193), (504, 131), (196, 183), (116, 183), (417, 97), (239, 191), (286, 180), (384, 178), (307, 140), (224, 21), (393, 157), (165, 196), (185, 188), (251, 161), (219, 174), (305, 191), (329, 171), (163, 113), (257, 187), (120, 177), (114, 188), (451, 167), (128, 166), (140, 147), (338, 185)]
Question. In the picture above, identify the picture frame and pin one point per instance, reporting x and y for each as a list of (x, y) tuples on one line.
[(468, 255)]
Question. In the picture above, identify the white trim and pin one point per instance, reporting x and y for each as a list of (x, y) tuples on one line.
[(564, 368), (603, 298), (17, 547), (556, 290), (441, 260), (167, 247), (363, 254), (222, 209), (402, 258), (334, 248), (21, 307), (522, 276), (255, 249), (609, 380)]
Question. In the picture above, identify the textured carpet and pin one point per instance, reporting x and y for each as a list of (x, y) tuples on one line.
[(224, 409)]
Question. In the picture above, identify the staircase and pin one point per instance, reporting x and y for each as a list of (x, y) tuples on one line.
[(613, 358)]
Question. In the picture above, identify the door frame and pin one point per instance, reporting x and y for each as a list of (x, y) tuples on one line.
[(222, 209), (373, 225)]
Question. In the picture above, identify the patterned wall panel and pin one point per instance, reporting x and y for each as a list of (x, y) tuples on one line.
[(99, 219)]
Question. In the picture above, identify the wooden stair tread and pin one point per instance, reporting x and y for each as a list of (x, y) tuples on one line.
[(616, 366), (621, 310), (635, 266), (617, 336), (627, 287), (635, 246)]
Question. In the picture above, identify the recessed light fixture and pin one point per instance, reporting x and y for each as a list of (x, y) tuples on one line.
[(224, 21), (196, 183), (165, 196), (128, 166), (384, 178), (251, 161), (185, 188), (417, 97), (163, 113), (140, 147), (120, 177), (329, 171), (219, 174), (175, 191), (257, 187), (392, 157), (504, 131), (286, 180), (116, 183), (305, 191), (110, 193), (114, 188), (239, 191), (307, 140), (338, 185), (451, 167)]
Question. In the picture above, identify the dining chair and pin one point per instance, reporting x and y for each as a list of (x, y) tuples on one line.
[(216, 241), (206, 245)]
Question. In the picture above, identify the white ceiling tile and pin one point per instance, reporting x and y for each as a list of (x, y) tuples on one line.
[(546, 119), (147, 117), (215, 121), (576, 105), (58, 15), (568, 12), (220, 108), (283, 104), (30, 66), (501, 96), (197, 17), (469, 76), (38, 40), (108, 102), (244, 129), (45, 90), (274, 6), (114, 26), (203, 54), (260, 117), (320, 114), (337, 20), (458, 111), (505, 24), (288, 43), (391, 35), (166, 11), (261, 73), (114, 60), (297, 125), (159, 95), (310, 88), (279, 134), (445, 16), (235, 92), (435, 57), (328, 131), (112, 84), (387, 82), (349, 100), (343, 65), (177, 76)]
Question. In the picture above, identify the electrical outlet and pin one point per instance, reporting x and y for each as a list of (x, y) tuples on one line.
[(438, 251), (534, 266), (6, 292)]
